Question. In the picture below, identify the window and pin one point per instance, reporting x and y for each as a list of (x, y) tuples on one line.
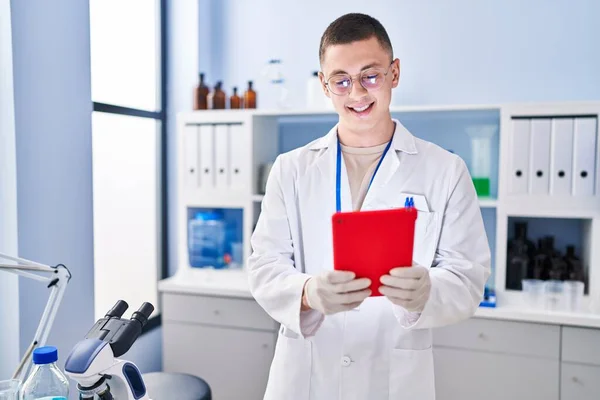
[(128, 48)]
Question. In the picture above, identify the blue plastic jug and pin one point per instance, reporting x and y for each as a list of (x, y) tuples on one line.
[(206, 240)]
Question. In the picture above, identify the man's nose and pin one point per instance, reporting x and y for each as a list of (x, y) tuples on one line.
[(357, 90)]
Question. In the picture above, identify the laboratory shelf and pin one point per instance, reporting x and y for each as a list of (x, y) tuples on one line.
[(252, 140), (514, 313), (488, 202)]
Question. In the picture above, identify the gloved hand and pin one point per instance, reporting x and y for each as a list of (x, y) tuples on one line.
[(407, 287), (336, 291)]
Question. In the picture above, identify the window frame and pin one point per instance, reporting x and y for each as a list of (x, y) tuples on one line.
[(156, 320)]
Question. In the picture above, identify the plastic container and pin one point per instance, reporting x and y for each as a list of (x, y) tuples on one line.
[(315, 98), (237, 254), (481, 154), (554, 295), (9, 390), (46, 381), (534, 292), (573, 295), (207, 240), (275, 93)]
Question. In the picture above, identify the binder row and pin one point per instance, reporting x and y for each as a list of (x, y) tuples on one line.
[(215, 156), (553, 156)]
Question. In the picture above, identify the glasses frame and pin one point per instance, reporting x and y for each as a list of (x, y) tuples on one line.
[(353, 78)]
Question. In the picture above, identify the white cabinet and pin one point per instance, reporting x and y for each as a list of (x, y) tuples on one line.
[(497, 360), (228, 342), (580, 368), (579, 382), (474, 375), (234, 362)]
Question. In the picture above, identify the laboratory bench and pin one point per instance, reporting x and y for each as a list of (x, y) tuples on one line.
[(213, 328)]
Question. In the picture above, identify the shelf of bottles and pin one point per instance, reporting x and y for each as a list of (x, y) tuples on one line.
[(548, 258)]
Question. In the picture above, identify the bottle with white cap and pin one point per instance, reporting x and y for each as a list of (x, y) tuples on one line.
[(46, 381), (315, 98)]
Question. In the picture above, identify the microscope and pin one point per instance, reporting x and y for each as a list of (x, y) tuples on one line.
[(93, 362)]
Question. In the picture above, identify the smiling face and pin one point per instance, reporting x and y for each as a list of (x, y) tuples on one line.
[(344, 67)]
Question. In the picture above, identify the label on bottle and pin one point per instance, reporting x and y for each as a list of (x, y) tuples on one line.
[(51, 398)]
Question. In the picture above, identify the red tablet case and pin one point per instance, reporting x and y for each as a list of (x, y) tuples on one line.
[(371, 243)]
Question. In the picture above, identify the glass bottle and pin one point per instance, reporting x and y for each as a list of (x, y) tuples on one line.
[(574, 266), (201, 95), (219, 97), (518, 265), (519, 246), (542, 259), (235, 100), (250, 96)]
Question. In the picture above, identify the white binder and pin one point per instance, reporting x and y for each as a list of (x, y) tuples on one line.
[(519, 156), (222, 156), (190, 151), (584, 157), (561, 162), (539, 167), (207, 150), (239, 168)]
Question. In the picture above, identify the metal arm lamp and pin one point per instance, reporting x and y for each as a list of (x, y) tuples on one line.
[(56, 279)]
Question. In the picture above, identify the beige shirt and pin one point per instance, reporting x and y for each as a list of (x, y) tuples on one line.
[(360, 165)]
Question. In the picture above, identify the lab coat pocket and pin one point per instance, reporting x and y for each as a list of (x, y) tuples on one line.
[(425, 242), (289, 377), (411, 375)]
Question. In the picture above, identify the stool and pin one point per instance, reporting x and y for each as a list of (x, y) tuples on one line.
[(170, 386)]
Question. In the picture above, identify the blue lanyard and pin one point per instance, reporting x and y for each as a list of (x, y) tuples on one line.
[(338, 174)]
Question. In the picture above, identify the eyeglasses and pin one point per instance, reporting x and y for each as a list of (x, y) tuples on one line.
[(370, 79)]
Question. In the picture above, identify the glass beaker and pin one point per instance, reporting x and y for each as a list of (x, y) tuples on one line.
[(9, 390), (554, 291), (534, 292), (275, 93), (573, 295), (481, 156)]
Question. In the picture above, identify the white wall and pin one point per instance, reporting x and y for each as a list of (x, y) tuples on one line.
[(452, 52), (182, 78), (52, 98), (9, 289)]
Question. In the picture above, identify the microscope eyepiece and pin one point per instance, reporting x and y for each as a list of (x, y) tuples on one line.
[(143, 313), (118, 310)]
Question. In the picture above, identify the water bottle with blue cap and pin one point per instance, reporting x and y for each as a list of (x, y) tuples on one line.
[(46, 381)]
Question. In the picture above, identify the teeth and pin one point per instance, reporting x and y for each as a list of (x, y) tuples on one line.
[(361, 109)]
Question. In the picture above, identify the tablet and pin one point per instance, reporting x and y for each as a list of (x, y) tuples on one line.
[(371, 243)]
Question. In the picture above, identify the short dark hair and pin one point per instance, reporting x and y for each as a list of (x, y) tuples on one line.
[(352, 28)]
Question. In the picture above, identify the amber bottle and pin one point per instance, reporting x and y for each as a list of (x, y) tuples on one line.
[(219, 97), (201, 95), (250, 97), (235, 101)]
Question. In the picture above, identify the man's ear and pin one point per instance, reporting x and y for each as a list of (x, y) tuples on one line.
[(323, 85), (395, 72)]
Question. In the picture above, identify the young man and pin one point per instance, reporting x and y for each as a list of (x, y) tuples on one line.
[(337, 342)]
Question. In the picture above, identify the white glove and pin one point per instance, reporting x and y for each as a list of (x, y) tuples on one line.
[(407, 287), (336, 291)]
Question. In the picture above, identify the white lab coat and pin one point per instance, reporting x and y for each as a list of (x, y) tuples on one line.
[(379, 351)]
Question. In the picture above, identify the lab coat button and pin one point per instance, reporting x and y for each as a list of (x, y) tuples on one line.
[(346, 361)]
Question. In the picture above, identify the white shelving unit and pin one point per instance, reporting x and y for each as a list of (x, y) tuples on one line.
[(220, 154)]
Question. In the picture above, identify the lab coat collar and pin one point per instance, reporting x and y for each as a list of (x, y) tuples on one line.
[(403, 140)]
